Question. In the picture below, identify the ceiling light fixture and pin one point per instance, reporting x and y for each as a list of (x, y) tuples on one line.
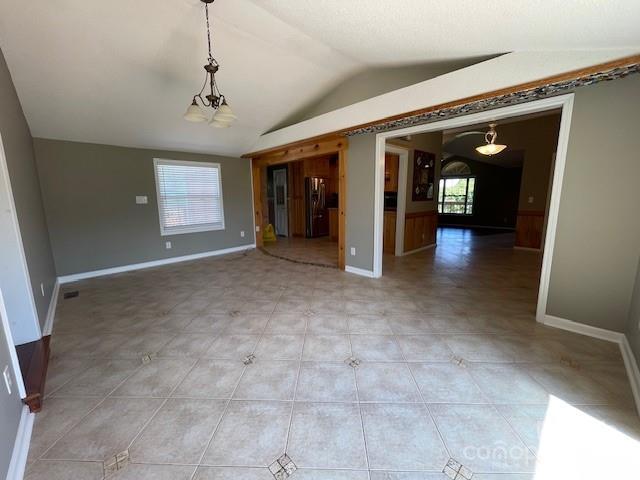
[(223, 116), (491, 148)]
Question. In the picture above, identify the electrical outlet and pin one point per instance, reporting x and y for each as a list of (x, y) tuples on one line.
[(242, 233), (257, 228), (142, 199), (353, 251), (167, 245), (42, 289), (530, 199), (7, 378)]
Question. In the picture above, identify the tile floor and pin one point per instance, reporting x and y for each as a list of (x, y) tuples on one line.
[(452, 365), (319, 251)]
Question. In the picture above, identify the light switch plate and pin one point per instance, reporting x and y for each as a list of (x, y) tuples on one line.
[(142, 199), (7, 378), (242, 233), (353, 251), (167, 245), (530, 199)]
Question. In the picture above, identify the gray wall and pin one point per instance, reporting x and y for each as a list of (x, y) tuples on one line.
[(10, 408), (21, 166), (633, 323), (89, 194), (360, 203), (598, 237)]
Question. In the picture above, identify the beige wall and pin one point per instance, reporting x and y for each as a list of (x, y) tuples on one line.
[(633, 323), (598, 237)]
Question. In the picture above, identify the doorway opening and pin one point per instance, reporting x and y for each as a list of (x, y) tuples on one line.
[(459, 203), (302, 205)]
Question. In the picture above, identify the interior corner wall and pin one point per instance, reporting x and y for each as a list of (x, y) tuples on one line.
[(633, 322), (597, 241), (90, 191), (361, 160), (26, 195)]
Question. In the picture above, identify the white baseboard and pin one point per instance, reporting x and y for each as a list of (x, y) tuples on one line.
[(51, 312), (630, 363), (581, 328), (21, 445), (633, 372), (426, 247), (155, 263), (359, 271)]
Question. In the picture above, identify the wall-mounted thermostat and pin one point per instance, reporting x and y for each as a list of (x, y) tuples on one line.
[(141, 200)]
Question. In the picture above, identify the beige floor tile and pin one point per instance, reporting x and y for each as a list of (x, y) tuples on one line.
[(64, 470), (327, 323), (187, 345), (402, 437), (57, 419), (232, 473), (268, 380), (179, 433), (211, 379), (326, 348), (508, 383), (326, 382), (106, 431), (424, 348), (446, 383), (289, 323), (100, 379), (369, 324), (327, 435), (310, 474), (478, 348), (232, 347), (478, 437), (156, 379), (280, 347), (386, 382), (135, 471), (250, 434), (376, 348)]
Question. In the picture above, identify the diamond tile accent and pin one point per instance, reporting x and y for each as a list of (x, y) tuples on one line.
[(147, 357), (352, 362), (458, 361), (249, 359), (283, 467), (456, 471), (570, 362), (118, 462), (309, 313)]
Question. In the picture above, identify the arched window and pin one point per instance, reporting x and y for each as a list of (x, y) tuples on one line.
[(457, 186), (455, 169)]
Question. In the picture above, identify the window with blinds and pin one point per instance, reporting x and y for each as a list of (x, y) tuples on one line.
[(189, 196)]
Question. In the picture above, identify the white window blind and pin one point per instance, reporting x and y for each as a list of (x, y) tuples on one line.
[(189, 196)]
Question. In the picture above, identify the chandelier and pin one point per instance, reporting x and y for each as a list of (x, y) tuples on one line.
[(491, 148), (223, 116)]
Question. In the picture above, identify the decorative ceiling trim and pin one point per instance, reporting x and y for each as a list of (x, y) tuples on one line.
[(499, 101), (534, 90)]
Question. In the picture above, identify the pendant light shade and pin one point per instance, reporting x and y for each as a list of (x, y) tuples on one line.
[(491, 148), (223, 116), (195, 113)]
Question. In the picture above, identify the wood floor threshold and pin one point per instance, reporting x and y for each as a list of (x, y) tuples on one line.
[(34, 361)]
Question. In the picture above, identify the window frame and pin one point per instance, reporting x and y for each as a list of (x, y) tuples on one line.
[(194, 228), (440, 204)]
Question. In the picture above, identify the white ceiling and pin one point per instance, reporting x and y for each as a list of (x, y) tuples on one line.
[(122, 72)]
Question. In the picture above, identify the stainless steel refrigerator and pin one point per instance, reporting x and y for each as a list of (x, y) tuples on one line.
[(317, 217)]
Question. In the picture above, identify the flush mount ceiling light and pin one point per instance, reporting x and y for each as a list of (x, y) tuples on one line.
[(223, 116), (491, 148)]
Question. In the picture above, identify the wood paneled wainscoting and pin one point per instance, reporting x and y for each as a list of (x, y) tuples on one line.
[(529, 228), (419, 230)]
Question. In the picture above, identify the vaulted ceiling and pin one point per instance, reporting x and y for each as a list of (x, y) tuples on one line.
[(122, 72)]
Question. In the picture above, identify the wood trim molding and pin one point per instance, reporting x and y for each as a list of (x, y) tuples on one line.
[(334, 144), (313, 147)]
